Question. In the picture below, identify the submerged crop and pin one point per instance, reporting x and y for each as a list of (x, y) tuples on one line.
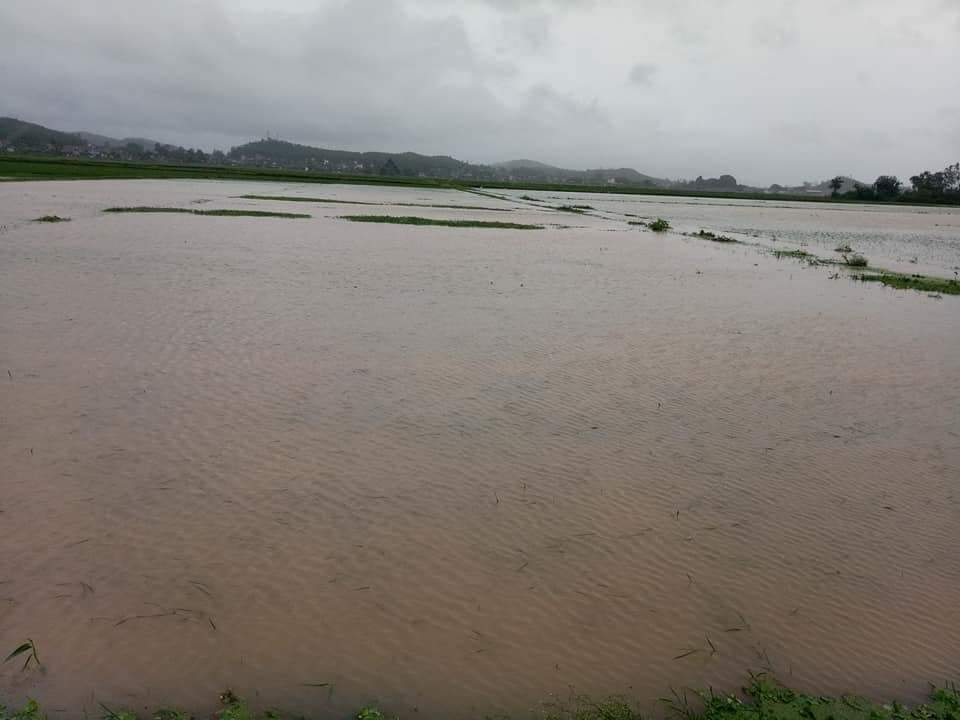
[(213, 213), (411, 220)]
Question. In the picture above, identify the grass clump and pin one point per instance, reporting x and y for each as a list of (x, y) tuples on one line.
[(798, 254), (658, 225), (578, 209), (109, 714), (713, 237), (51, 219), (234, 708), (855, 260), (768, 700), (167, 714), (30, 711), (845, 248), (411, 220), (212, 213), (371, 713), (923, 283)]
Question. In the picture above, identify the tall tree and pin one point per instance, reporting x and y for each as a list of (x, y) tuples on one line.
[(887, 187)]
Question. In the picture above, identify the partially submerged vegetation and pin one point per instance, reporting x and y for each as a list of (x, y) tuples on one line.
[(51, 219), (855, 260), (762, 699), (411, 220), (334, 201), (658, 225), (296, 198), (796, 254), (713, 237), (213, 213), (901, 281)]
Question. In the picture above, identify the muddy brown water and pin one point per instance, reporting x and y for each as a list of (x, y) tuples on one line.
[(459, 471)]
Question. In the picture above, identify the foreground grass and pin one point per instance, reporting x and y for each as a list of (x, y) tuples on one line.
[(213, 213), (762, 699), (411, 220)]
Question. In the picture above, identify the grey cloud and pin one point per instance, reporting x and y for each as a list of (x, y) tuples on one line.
[(642, 74), (766, 91)]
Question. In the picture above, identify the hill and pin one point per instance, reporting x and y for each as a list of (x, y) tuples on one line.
[(109, 142), (29, 138), (282, 154), (524, 170), (279, 153), (524, 164), (19, 134)]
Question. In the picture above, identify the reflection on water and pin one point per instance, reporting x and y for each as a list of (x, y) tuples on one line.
[(460, 470)]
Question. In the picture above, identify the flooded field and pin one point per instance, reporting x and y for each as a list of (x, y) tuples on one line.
[(460, 470)]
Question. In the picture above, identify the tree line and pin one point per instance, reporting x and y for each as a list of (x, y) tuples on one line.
[(942, 186)]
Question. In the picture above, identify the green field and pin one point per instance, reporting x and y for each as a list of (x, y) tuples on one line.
[(18, 167)]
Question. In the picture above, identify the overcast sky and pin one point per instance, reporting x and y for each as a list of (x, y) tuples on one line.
[(768, 90)]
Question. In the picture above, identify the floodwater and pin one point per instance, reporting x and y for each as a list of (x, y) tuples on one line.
[(459, 472)]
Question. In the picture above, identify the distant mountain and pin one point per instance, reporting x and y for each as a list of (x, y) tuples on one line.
[(18, 133), (25, 137), (624, 175), (279, 153), (533, 171), (524, 164), (109, 142)]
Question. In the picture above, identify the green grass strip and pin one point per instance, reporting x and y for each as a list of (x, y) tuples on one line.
[(411, 220), (333, 201), (923, 283), (292, 198), (213, 213)]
